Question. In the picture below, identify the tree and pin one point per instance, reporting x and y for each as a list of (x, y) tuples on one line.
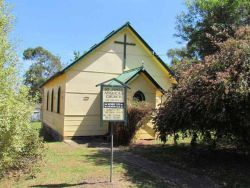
[(76, 55), (44, 65), (180, 60), (178, 54), (208, 23), (212, 98), (20, 145)]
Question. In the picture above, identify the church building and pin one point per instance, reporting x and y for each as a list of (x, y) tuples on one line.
[(71, 98)]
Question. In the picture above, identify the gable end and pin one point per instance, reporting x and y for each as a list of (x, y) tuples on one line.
[(111, 34)]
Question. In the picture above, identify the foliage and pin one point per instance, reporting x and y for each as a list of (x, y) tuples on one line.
[(178, 55), (179, 66), (76, 55), (212, 98), (44, 65), (138, 114), (19, 144), (207, 23)]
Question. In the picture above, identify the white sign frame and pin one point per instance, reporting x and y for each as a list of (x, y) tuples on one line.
[(113, 103)]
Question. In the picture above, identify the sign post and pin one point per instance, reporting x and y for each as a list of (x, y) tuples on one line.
[(113, 109), (111, 157)]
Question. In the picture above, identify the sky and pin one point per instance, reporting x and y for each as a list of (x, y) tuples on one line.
[(64, 26)]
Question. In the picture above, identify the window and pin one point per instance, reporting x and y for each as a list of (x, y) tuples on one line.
[(52, 100), (47, 100), (139, 96), (58, 99)]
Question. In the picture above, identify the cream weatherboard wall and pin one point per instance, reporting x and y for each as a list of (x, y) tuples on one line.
[(50, 118), (143, 84), (140, 55), (82, 114), (80, 108)]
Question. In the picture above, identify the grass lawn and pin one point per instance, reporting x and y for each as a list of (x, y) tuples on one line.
[(226, 167), (66, 166)]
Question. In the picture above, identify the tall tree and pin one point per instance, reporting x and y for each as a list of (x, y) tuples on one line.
[(44, 65), (206, 23)]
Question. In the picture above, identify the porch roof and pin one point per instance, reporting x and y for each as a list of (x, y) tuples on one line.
[(124, 78)]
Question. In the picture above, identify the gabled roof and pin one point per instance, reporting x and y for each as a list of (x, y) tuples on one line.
[(127, 24), (112, 82), (127, 76)]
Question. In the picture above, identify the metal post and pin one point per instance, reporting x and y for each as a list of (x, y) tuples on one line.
[(111, 158)]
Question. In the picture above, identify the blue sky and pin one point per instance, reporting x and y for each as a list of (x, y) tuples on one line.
[(62, 26)]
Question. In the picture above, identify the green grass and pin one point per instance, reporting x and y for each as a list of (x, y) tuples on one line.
[(36, 125), (66, 166), (227, 167)]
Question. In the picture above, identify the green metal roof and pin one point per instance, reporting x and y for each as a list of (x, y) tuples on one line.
[(112, 82), (123, 78), (127, 24), (127, 76)]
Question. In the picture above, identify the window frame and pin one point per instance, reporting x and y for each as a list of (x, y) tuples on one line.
[(142, 96), (47, 105), (52, 101), (58, 100)]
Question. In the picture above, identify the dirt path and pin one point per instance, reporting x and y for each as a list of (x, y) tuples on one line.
[(172, 176)]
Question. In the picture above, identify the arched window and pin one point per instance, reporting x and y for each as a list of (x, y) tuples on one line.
[(52, 100), (139, 96), (58, 99), (47, 100)]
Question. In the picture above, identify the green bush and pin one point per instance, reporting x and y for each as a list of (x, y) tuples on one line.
[(20, 144), (138, 114), (211, 100)]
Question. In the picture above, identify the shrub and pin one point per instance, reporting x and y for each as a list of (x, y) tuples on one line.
[(138, 114), (20, 145), (212, 98)]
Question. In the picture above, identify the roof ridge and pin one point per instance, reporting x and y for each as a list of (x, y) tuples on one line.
[(127, 23), (130, 70)]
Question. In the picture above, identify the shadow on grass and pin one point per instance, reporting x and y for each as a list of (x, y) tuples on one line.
[(229, 167), (137, 176), (62, 184), (93, 142), (46, 136)]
